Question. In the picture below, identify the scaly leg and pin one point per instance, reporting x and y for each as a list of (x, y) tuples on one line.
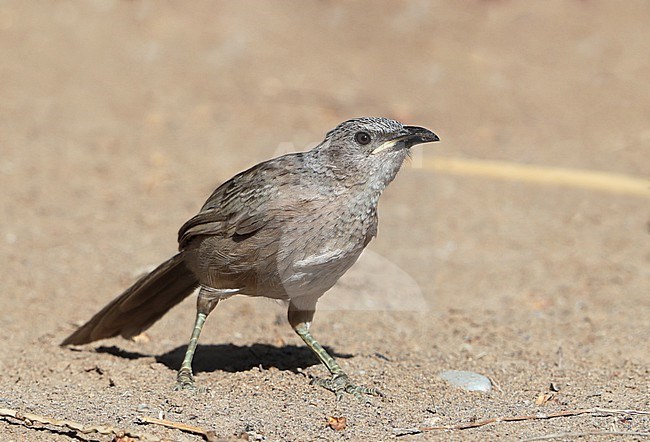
[(339, 383), (206, 302)]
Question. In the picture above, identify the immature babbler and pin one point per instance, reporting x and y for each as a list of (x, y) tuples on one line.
[(287, 228)]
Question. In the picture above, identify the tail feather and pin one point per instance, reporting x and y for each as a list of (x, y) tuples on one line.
[(139, 306)]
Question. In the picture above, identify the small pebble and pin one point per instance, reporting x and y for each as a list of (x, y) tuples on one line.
[(466, 380)]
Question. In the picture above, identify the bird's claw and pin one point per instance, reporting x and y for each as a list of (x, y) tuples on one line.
[(185, 381), (340, 383)]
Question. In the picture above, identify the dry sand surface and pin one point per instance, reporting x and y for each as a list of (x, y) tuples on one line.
[(118, 118)]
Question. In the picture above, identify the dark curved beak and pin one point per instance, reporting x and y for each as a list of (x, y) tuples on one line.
[(418, 135), (408, 137)]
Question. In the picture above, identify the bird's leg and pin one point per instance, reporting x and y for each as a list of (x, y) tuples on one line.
[(206, 302), (339, 383)]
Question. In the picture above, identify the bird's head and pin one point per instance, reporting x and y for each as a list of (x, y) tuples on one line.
[(371, 149)]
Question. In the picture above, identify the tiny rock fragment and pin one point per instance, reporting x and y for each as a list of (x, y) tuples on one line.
[(142, 338), (337, 423), (466, 380), (543, 398), (280, 342)]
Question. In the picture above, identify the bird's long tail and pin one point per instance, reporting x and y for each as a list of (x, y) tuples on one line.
[(140, 305)]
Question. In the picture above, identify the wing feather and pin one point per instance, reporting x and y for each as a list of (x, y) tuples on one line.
[(239, 207)]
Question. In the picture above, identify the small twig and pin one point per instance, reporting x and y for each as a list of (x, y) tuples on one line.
[(208, 435), (586, 433), (538, 416), (28, 419)]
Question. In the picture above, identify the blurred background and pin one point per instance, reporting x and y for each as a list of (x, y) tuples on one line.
[(118, 118)]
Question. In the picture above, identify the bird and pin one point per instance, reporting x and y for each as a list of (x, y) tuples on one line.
[(287, 228)]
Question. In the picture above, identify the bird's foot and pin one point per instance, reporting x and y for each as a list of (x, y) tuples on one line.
[(340, 383), (185, 381)]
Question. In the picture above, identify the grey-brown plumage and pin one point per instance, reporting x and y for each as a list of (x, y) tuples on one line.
[(287, 228)]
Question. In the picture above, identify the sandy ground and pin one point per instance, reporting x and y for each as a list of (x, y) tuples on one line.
[(118, 118)]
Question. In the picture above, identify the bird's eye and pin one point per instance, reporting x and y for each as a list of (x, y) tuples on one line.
[(362, 138)]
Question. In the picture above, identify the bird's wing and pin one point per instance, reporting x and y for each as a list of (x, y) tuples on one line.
[(208, 222), (240, 206)]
